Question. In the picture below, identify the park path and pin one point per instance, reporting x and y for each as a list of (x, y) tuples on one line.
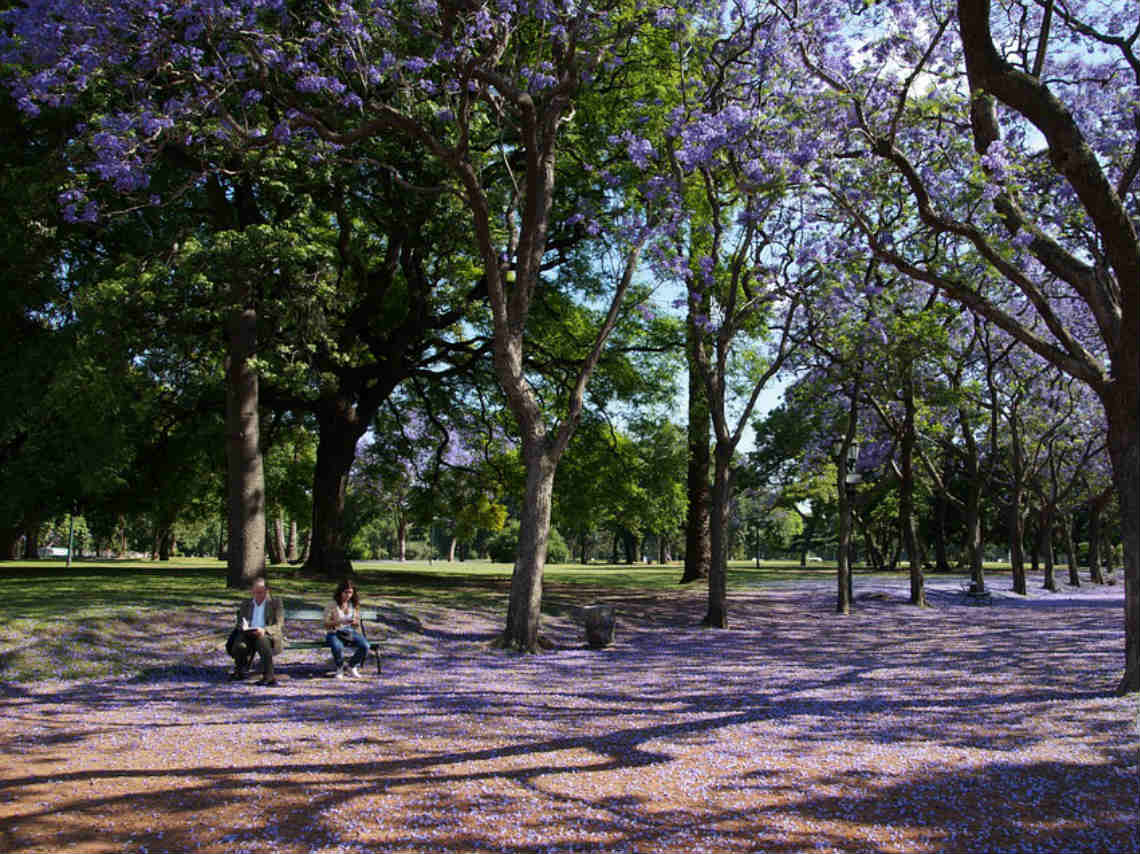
[(953, 728)]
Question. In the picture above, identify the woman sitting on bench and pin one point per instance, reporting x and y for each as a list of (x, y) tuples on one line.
[(342, 622)]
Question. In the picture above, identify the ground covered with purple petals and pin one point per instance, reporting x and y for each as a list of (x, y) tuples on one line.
[(954, 728)]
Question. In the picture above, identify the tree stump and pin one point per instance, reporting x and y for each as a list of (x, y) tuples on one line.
[(599, 622)]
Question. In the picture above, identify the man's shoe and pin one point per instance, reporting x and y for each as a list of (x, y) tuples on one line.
[(238, 675), (355, 672)]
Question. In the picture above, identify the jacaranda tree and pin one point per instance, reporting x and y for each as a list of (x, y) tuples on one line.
[(1007, 135)]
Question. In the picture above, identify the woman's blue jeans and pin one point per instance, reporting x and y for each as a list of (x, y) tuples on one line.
[(337, 645)]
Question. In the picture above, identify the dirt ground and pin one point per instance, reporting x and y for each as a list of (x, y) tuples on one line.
[(954, 728)]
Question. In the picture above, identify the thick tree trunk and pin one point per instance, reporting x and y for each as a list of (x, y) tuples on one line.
[(698, 542), (629, 546), (245, 476), (1124, 452), (402, 538), (339, 431), (165, 542), (525, 607)]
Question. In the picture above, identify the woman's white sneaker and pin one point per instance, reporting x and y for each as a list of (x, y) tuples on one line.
[(355, 672)]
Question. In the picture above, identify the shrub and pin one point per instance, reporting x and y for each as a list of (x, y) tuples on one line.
[(503, 547)]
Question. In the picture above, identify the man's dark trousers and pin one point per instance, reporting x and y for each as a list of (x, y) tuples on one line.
[(246, 644)]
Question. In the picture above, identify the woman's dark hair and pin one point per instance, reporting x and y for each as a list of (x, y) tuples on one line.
[(345, 585)]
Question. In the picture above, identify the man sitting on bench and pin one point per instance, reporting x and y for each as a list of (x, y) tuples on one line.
[(260, 628)]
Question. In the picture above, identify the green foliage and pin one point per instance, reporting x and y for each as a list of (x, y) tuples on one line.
[(503, 547)]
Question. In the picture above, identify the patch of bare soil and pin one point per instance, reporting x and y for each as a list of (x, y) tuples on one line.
[(953, 728)]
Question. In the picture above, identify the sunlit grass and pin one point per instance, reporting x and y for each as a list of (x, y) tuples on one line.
[(45, 590)]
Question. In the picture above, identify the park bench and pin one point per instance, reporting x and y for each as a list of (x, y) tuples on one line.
[(304, 613)]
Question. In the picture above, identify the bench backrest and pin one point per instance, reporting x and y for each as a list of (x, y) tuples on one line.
[(301, 613)]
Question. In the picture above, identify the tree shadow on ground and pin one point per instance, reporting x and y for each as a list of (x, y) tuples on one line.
[(892, 729)]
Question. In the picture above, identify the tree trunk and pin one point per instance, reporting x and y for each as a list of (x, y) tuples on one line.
[(941, 561), (165, 542), (451, 548), (1016, 545), (974, 546), (845, 494), (1035, 552), (223, 529), (1096, 507), (1124, 452), (629, 546), (280, 549), (1108, 559), (874, 554), (307, 543), (717, 616), (9, 542), (339, 431), (906, 494), (1071, 550), (525, 607), (402, 538), (32, 540), (291, 542), (245, 476), (698, 537), (1044, 545), (843, 601)]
